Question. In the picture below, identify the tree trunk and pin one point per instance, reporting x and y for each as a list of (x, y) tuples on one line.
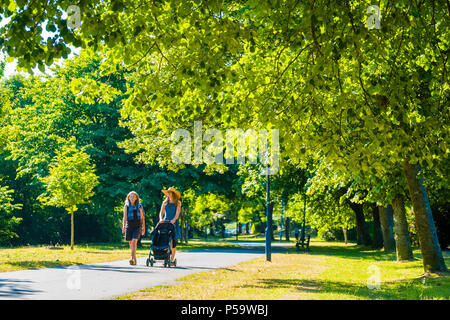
[(387, 222), (212, 229), (222, 230), (377, 233), (71, 229), (286, 233), (402, 242), (362, 235), (186, 234), (426, 230), (182, 231), (344, 231), (262, 225)]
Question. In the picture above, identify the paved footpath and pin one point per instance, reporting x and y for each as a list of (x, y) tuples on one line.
[(111, 279)]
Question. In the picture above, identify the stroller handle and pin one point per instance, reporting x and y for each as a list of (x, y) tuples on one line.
[(161, 221)]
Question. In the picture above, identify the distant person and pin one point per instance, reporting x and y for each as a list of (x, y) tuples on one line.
[(296, 232), (133, 222), (170, 211)]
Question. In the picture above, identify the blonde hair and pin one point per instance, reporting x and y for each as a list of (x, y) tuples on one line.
[(127, 199)]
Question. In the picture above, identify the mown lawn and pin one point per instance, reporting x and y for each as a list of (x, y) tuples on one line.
[(31, 257), (329, 271)]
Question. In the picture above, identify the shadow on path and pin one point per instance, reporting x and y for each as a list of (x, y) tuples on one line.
[(182, 267), (127, 269), (16, 289)]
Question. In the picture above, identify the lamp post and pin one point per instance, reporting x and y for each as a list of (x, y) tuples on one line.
[(281, 222), (237, 225), (268, 218)]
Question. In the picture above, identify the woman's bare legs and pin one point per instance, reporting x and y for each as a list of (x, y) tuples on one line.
[(131, 249), (133, 252), (173, 253), (133, 246)]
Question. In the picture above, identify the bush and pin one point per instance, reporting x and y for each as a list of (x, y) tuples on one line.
[(256, 227), (336, 234), (326, 235)]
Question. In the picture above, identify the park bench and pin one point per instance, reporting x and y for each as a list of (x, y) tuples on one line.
[(302, 244)]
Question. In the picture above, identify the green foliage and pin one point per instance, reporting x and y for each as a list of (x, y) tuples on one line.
[(2, 68), (208, 208), (363, 102), (246, 214), (71, 179), (323, 211), (41, 115), (8, 222)]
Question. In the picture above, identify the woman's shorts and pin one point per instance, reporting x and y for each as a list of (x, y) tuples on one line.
[(132, 232)]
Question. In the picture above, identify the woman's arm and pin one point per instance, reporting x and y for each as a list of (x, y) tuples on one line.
[(177, 213), (161, 212), (124, 220), (143, 221)]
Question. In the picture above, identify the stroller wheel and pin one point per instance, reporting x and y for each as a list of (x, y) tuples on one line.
[(147, 262)]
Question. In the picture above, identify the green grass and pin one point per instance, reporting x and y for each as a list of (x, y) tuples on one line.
[(329, 271), (31, 257)]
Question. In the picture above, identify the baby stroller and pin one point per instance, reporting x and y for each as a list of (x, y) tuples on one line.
[(161, 248)]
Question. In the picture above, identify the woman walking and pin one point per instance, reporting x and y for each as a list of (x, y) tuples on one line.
[(133, 222), (170, 211)]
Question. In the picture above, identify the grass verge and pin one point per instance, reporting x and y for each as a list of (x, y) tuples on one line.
[(329, 271)]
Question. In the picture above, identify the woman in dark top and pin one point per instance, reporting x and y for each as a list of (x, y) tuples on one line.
[(133, 222), (170, 211)]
